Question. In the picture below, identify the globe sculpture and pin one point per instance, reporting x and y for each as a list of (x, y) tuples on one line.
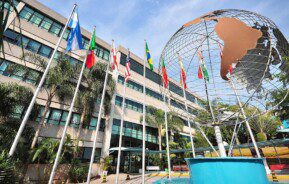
[(231, 58)]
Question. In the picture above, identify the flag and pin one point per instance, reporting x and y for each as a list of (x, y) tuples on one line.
[(182, 74), (113, 60), (127, 67), (202, 71), (90, 59), (149, 59), (74, 41), (165, 75), (231, 69)]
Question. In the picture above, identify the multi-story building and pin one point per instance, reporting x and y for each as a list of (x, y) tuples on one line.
[(40, 29)]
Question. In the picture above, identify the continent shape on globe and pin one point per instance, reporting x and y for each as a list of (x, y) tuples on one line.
[(238, 38)]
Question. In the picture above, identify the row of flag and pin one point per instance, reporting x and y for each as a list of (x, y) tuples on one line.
[(202, 70)]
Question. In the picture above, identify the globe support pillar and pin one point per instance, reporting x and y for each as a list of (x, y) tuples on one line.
[(219, 139), (246, 120)]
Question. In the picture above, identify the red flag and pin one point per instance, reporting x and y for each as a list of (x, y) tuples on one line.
[(200, 75), (90, 59), (165, 75), (231, 69)]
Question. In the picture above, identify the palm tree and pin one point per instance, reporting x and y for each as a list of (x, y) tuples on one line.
[(91, 92), (58, 83), (156, 117)]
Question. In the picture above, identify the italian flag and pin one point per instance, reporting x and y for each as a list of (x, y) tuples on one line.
[(165, 76), (90, 58), (202, 71)]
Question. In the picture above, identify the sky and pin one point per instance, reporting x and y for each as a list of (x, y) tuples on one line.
[(129, 22)]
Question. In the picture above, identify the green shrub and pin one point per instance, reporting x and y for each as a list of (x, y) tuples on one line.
[(77, 172), (261, 137)]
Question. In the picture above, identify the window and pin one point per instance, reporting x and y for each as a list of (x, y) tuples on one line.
[(26, 13), (55, 29), (177, 104), (153, 76), (134, 66), (36, 18), (131, 84), (101, 52), (134, 130), (176, 89), (93, 123), (129, 104), (55, 116), (45, 51), (41, 20), (10, 69), (85, 43), (75, 120), (190, 97), (154, 94), (33, 46), (46, 23)]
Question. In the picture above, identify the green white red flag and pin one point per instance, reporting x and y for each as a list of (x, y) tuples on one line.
[(202, 71), (90, 58)]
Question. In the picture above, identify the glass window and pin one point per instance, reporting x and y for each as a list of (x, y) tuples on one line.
[(36, 18), (32, 77), (26, 13), (3, 66), (45, 51), (22, 41), (55, 28), (46, 23), (75, 120), (55, 116), (92, 125), (66, 33), (33, 46), (18, 74), (106, 55), (63, 118)]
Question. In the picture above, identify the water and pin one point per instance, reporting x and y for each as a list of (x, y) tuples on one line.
[(173, 181), (181, 181)]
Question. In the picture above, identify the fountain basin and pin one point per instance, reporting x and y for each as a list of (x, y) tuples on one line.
[(237, 170)]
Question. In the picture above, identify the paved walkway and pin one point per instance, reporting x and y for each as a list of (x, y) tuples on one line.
[(150, 178)]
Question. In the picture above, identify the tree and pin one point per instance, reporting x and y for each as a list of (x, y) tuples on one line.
[(58, 83), (91, 91), (156, 117)]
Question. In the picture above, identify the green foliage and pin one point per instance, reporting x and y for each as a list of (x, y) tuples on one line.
[(107, 163), (77, 172), (6, 162), (45, 153), (12, 96), (261, 137)]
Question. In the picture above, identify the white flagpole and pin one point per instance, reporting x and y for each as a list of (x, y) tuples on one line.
[(120, 133), (217, 130), (167, 134), (188, 118), (144, 117), (246, 120), (98, 124), (67, 123), (26, 117)]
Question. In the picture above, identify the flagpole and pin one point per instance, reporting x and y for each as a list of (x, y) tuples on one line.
[(217, 130), (26, 117), (66, 125), (246, 120), (167, 134), (120, 133), (188, 118), (144, 116), (98, 124)]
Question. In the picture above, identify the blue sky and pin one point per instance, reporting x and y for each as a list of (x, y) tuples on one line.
[(129, 22)]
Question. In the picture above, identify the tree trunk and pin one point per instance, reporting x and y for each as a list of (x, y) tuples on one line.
[(39, 126), (80, 126)]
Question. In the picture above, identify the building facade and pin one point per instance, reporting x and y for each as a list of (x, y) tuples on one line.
[(40, 30)]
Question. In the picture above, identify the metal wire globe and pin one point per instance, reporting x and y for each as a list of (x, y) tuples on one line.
[(251, 44)]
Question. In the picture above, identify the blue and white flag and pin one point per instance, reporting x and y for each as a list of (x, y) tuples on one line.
[(74, 41)]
